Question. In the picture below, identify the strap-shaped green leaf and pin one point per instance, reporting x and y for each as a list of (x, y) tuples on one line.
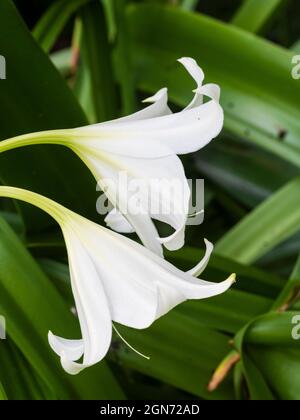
[(182, 353), (3, 395), (260, 97), (33, 98), (275, 220), (96, 88), (54, 20), (255, 15)]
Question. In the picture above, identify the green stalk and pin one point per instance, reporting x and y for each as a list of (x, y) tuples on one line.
[(43, 137), (49, 206)]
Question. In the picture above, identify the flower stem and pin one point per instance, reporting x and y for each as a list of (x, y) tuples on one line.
[(43, 137), (54, 209)]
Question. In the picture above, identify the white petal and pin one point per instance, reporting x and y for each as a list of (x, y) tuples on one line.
[(116, 221), (133, 299), (162, 193), (146, 231), (159, 105), (152, 133), (201, 266), (158, 108), (211, 90), (142, 144), (92, 308), (180, 133), (197, 74), (176, 240), (193, 68), (72, 349), (140, 286)]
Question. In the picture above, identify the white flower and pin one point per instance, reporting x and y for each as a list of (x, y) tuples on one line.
[(114, 279), (145, 145)]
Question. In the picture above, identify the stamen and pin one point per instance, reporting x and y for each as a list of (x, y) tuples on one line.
[(127, 344)]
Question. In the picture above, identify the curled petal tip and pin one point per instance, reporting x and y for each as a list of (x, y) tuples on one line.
[(211, 90), (174, 241), (207, 242), (187, 59), (233, 278), (50, 337), (67, 365), (193, 69), (159, 95)]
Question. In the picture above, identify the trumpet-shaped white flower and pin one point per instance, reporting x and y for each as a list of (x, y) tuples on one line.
[(145, 145), (114, 279)]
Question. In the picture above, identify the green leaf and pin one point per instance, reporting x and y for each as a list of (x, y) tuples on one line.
[(60, 276), (96, 61), (275, 220), (109, 10), (296, 47), (282, 258), (182, 353), (296, 272), (32, 306), (238, 381), (229, 312), (291, 291), (279, 367), (123, 60), (11, 373), (3, 395), (35, 99), (273, 329), (258, 387), (189, 4), (260, 344), (54, 20), (255, 15), (18, 378), (246, 173), (62, 61), (259, 96), (14, 220)]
